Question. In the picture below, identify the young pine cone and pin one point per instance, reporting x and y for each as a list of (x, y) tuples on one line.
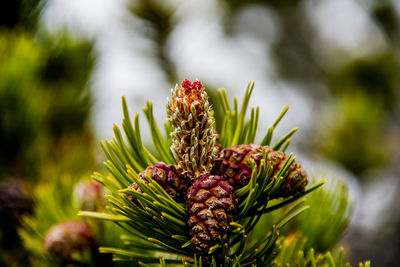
[(235, 162), (89, 195), (65, 240), (193, 140)]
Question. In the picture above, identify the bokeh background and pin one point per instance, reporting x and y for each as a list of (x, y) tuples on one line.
[(65, 64)]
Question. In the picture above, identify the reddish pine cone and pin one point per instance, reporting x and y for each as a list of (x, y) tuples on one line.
[(171, 179), (235, 162), (67, 239), (211, 203)]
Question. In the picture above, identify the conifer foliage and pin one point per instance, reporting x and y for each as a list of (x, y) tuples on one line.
[(196, 201)]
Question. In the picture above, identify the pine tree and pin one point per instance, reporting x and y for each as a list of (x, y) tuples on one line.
[(213, 224)]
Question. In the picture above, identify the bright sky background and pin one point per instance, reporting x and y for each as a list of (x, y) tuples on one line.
[(200, 50)]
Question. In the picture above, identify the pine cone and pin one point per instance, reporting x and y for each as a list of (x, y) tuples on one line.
[(193, 139), (171, 179), (235, 162), (66, 239), (295, 182), (211, 205), (89, 195)]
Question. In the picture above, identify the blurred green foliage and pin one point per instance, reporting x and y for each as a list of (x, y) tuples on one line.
[(384, 13), (21, 105), (65, 78), (356, 128), (55, 203), (45, 106), (322, 225), (44, 102), (19, 13), (352, 132), (290, 247), (312, 235), (292, 253), (44, 99), (375, 77)]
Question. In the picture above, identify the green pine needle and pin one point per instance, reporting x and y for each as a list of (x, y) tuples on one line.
[(103, 216)]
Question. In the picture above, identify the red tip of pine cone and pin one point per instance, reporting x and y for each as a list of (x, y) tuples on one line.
[(197, 85), (191, 93), (186, 83)]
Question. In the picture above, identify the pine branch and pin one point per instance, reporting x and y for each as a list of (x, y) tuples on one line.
[(157, 221)]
